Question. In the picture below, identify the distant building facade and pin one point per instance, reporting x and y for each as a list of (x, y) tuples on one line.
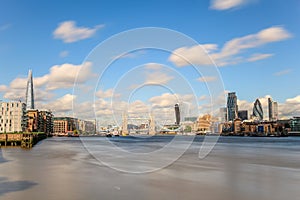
[(223, 114), (243, 114), (177, 114), (295, 124), (258, 110), (273, 110), (63, 125), (232, 107), (12, 117)]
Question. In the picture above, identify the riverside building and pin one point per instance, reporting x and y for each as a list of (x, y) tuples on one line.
[(12, 117)]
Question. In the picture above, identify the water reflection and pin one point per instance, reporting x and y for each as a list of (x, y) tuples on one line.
[(7, 186)]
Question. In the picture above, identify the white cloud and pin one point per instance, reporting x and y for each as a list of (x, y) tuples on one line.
[(65, 75), (103, 94), (63, 54), (157, 78), (258, 56), (230, 52), (207, 78), (62, 104), (69, 32), (196, 54), (3, 88), (226, 4), (295, 100), (283, 72), (153, 66)]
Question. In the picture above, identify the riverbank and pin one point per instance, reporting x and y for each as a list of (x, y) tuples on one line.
[(24, 140)]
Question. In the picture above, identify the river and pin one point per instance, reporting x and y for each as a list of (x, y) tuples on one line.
[(238, 168)]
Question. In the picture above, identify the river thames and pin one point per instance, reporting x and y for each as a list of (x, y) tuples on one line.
[(237, 168)]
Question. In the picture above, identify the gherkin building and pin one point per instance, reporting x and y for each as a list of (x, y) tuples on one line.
[(258, 110)]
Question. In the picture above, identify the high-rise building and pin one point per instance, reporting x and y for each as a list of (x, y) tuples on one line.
[(273, 110), (177, 114), (258, 110), (223, 114), (243, 114), (12, 117), (232, 107), (30, 92)]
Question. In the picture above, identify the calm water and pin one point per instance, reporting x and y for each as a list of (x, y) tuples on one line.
[(237, 168)]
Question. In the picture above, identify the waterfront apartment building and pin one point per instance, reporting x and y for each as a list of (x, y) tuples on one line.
[(33, 120), (46, 121), (40, 121), (232, 107), (63, 125), (273, 110), (12, 117)]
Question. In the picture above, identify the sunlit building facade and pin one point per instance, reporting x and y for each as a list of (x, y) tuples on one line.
[(12, 117)]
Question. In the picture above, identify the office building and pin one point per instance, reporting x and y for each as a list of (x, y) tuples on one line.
[(232, 107), (243, 114), (177, 114), (295, 124), (258, 110), (12, 117), (273, 110)]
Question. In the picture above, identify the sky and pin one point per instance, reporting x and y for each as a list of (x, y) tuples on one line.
[(194, 53)]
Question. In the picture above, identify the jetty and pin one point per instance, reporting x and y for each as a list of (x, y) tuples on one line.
[(24, 140)]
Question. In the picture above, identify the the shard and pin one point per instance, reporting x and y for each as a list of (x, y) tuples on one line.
[(29, 92)]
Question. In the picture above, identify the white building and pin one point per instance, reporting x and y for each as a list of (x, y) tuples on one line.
[(12, 117)]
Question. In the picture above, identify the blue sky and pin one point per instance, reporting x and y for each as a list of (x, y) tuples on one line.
[(264, 33)]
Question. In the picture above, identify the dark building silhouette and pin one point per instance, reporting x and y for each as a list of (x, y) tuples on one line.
[(243, 114), (177, 114)]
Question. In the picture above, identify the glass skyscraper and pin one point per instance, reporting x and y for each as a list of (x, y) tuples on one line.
[(232, 107), (29, 92), (273, 109), (258, 110)]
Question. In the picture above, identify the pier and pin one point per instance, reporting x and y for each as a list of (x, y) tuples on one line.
[(24, 140)]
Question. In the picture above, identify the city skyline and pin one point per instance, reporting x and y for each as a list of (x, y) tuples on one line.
[(255, 61)]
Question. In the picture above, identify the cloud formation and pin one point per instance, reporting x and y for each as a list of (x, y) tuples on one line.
[(69, 32), (207, 79), (231, 51), (283, 72), (226, 4)]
